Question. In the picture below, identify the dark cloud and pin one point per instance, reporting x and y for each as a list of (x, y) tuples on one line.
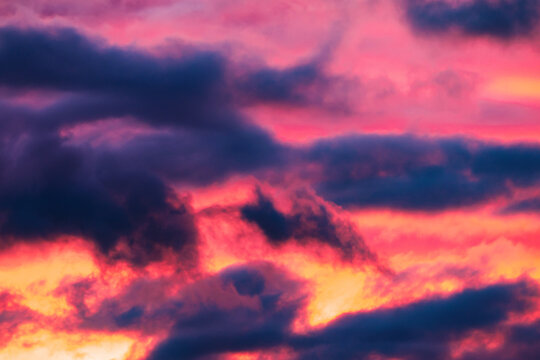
[(117, 195), (431, 188), (246, 281), (242, 308), (309, 220), (274, 224), (502, 19), (250, 308), (200, 89), (288, 85), (519, 163), (202, 157), (61, 58), (299, 85), (117, 81), (49, 188), (129, 317), (415, 173), (422, 330), (216, 331)]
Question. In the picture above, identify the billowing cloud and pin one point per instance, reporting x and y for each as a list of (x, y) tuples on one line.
[(115, 197), (196, 90), (50, 189), (118, 81)]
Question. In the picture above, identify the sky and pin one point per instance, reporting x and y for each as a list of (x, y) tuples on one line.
[(251, 180)]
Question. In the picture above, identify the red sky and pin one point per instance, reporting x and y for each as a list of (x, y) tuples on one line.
[(269, 180)]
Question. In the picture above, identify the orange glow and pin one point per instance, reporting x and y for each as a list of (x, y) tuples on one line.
[(34, 272), (386, 229), (47, 344), (463, 236), (513, 87)]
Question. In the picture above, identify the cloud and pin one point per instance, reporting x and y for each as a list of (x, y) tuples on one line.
[(246, 281), (519, 343), (12, 316), (417, 173), (520, 163), (120, 196), (49, 189), (302, 85), (309, 221), (422, 330), (500, 19), (116, 81), (288, 85), (253, 306), (248, 307), (523, 206), (244, 307), (273, 223), (199, 89), (116, 195), (214, 331), (145, 306), (203, 157)]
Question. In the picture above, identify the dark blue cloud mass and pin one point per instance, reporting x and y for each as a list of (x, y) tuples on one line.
[(200, 89), (119, 195), (49, 188), (419, 331), (417, 173), (253, 306), (422, 330), (501, 19)]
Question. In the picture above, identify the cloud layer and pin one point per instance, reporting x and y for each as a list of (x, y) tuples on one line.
[(270, 180)]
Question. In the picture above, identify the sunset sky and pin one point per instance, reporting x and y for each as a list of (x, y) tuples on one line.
[(254, 180)]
